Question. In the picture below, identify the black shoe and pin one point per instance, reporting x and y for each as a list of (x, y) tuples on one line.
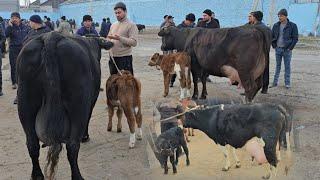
[(14, 86), (1, 93), (243, 94), (272, 86)]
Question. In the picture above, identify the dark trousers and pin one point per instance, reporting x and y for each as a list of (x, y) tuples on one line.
[(123, 63), (0, 71), (13, 55)]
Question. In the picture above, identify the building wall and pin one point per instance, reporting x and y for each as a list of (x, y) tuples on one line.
[(9, 5)]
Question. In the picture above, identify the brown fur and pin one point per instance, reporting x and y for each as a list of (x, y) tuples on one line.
[(167, 62), (123, 91)]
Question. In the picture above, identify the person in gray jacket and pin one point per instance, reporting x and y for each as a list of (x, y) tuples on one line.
[(64, 26)]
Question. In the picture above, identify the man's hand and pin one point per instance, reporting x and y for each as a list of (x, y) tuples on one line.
[(10, 22), (115, 36)]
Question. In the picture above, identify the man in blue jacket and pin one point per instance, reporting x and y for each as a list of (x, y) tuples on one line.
[(284, 39), (87, 27), (17, 32)]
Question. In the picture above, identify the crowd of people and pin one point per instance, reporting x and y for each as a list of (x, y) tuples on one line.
[(123, 34), (18, 32), (284, 39)]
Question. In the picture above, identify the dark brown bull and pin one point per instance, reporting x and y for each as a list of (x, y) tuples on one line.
[(239, 53), (124, 91)]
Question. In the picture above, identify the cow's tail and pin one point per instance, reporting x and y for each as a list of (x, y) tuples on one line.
[(55, 114), (52, 160), (286, 127)]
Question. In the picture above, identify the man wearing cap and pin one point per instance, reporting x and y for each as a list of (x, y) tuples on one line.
[(87, 27), (256, 20), (165, 20), (284, 39), (17, 32), (208, 21), (170, 21), (188, 22), (37, 27), (64, 26), (123, 34)]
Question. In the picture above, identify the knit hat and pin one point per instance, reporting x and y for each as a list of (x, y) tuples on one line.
[(87, 18), (36, 19), (15, 14), (190, 17), (258, 15), (208, 11), (63, 18), (170, 17), (120, 5), (283, 12)]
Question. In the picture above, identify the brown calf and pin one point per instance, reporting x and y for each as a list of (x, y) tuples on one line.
[(179, 63), (123, 91)]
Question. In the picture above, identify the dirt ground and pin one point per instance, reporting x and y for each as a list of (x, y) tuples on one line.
[(107, 155)]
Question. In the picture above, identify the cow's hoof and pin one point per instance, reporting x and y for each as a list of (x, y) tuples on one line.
[(37, 177), (238, 165), (139, 138), (109, 129), (225, 168), (174, 171), (192, 135), (166, 171), (195, 97), (131, 145), (85, 139), (119, 130), (188, 162), (266, 176), (203, 97), (165, 95)]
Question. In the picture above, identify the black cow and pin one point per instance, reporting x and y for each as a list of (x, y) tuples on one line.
[(237, 124), (168, 143), (59, 81), (239, 53), (141, 27)]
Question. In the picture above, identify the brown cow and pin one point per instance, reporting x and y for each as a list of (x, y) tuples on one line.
[(123, 91), (179, 63)]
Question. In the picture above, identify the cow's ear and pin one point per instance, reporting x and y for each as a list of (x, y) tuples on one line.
[(103, 43), (164, 31)]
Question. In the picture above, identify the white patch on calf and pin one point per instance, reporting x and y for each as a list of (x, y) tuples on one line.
[(238, 165), (132, 140), (177, 69), (288, 141), (226, 157), (222, 107), (139, 134), (136, 109)]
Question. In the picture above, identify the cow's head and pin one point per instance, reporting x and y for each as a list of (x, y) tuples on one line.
[(155, 60), (105, 44), (168, 38)]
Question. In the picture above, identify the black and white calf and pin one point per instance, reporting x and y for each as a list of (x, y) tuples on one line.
[(167, 144), (237, 124)]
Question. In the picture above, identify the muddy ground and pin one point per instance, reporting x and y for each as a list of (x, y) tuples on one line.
[(107, 155)]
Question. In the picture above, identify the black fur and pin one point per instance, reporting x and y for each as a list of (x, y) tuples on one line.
[(167, 144)]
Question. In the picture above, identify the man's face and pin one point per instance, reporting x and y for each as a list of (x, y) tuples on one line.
[(188, 23), (32, 25), (250, 18), (206, 17), (15, 20), (282, 18), (87, 24), (120, 14)]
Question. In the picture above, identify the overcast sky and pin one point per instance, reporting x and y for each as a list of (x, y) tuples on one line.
[(22, 1)]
